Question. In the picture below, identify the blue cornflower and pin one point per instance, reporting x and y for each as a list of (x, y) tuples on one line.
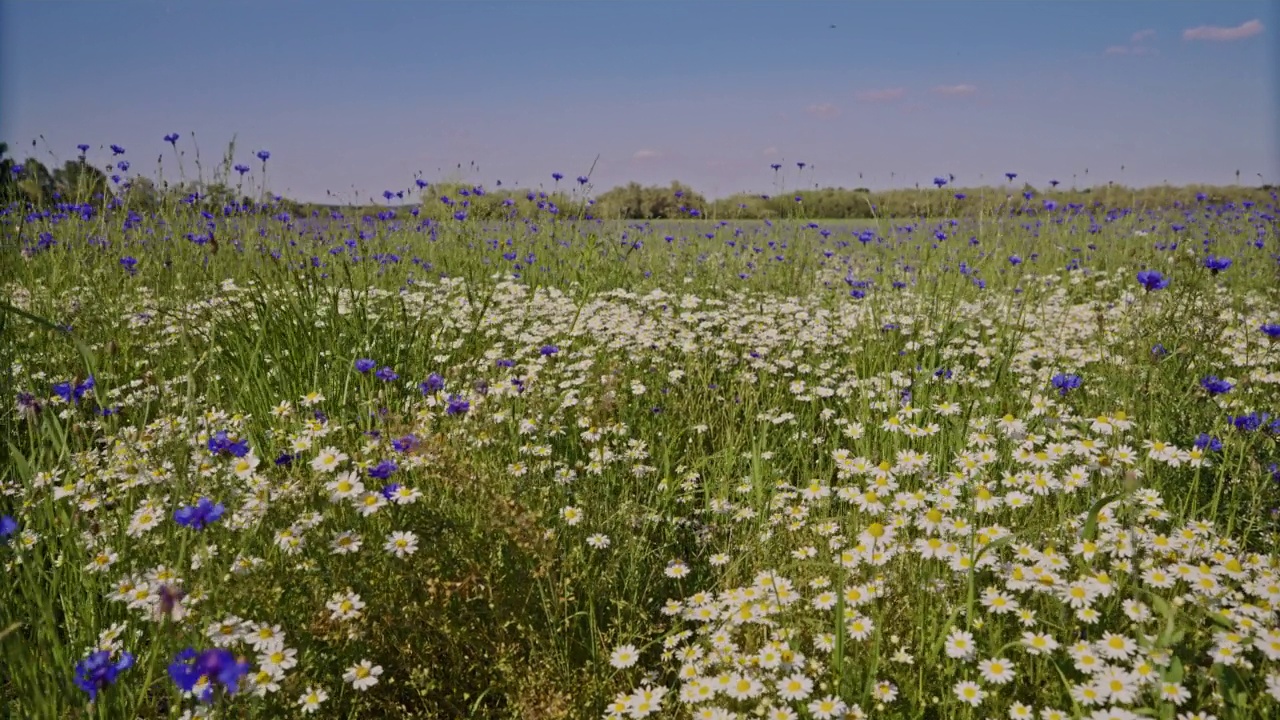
[(284, 459), (1250, 422), (8, 526), (1015, 260), (72, 393), (433, 384), (199, 516), (222, 444), (1215, 386), (1152, 280), (117, 150), (263, 155), (404, 444), (27, 403), (129, 263), (1205, 441), (1065, 382), (1217, 264), (939, 181), (364, 365), (172, 139), (557, 176), (389, 491), (546, 350), (386, 374), (238, 447), (217, 665), (1158, 350), (457, 405), (96, 671), (383, 470), (1271, 330), (504, 363)]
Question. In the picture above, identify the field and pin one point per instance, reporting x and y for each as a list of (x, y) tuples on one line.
[(1006, 465)]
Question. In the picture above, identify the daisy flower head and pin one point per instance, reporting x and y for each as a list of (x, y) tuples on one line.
[(827, 708), (969, 692), (363, 675), (310, 700), (344, 606), (996, 671), (624, 656), (328, 460), (401, 544), (960, 645), (571, 515)]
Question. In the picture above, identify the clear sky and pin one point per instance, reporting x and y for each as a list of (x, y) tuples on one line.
[(360, 96)]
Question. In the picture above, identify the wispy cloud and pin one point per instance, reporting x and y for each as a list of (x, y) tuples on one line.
[(823, 110), (1131, 50), (1137, 45), (880, 96), (1224, 34), (644, 154), (962, 89)]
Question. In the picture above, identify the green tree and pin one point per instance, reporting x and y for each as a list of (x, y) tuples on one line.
[(78, 181), (8, 188), (35, 183)]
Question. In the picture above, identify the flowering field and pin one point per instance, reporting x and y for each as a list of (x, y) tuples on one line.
[(1015, 465)]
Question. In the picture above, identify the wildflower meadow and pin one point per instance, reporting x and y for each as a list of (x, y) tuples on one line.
[(1017, 460)]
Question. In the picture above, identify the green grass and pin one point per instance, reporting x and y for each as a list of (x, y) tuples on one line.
[(720, 438)]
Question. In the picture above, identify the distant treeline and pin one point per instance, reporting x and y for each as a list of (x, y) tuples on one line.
[(31, 183), (636, 202)]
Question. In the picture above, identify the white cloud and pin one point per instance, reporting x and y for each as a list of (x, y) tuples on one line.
[(1224, 34), (823, 110)]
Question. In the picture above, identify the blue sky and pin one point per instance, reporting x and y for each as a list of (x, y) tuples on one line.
[(359, 96)]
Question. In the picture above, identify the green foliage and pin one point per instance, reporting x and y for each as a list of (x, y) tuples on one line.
[(657, 433)]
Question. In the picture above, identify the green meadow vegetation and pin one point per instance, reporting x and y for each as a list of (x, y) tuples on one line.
[(484, 453)]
